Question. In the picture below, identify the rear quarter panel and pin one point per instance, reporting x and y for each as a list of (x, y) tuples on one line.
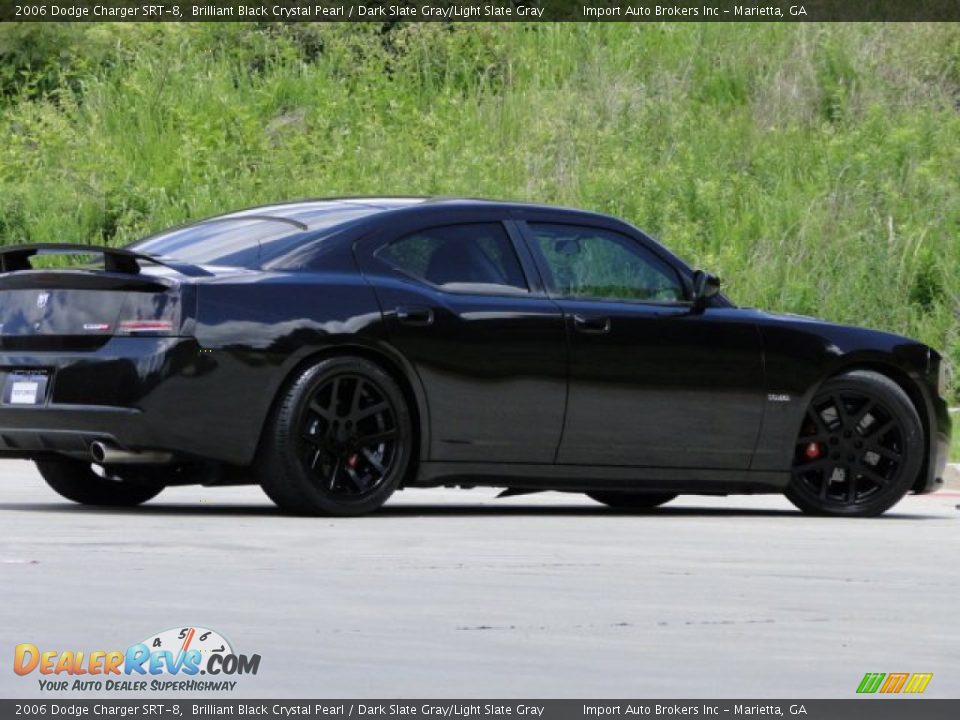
[(253, 331)]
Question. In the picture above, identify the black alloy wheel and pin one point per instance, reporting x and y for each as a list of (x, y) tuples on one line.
[(859, 449), (349, 436), (340, 441), (633, 501)]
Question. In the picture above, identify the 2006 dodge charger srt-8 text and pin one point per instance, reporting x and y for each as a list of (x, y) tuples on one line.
[(336, 350)]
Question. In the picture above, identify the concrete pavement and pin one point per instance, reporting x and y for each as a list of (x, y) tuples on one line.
[(452, 593), (952, 477)]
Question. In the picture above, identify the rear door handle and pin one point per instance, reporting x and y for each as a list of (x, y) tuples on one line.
[(597, 325), (415, 315)]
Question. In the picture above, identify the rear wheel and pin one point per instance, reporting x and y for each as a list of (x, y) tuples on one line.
[(79, 481), (339, 442), (632, 500), (859, 449)]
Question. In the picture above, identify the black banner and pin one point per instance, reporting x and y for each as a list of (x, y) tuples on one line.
[(489, 10), (877, 709)]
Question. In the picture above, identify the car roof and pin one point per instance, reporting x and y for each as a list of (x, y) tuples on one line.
[(313, 213)]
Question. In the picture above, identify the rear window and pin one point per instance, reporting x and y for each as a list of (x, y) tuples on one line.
[(234, 242)]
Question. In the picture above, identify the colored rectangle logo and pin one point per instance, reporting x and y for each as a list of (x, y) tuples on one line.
[(894, 683)]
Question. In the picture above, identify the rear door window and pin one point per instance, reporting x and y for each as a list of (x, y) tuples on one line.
[(475, 257)]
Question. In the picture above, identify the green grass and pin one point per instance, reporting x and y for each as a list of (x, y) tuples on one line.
[(955, 439), (814, 167)]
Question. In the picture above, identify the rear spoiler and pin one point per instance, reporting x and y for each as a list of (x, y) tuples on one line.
[(14, 258)]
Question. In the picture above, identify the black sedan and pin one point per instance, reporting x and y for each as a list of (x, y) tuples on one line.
[(336, 350)]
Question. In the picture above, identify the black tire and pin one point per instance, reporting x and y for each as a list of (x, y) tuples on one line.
[(632, 500), (77, 481), (339, 440), (859, 449)]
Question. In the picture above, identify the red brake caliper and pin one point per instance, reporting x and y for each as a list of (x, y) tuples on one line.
[(352, 461), (812, 451)]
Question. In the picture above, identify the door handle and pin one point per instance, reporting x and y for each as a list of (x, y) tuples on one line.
[(415, 315), (597, 325)]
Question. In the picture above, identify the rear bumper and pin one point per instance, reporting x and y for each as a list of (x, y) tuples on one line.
[(139, 394), (69, 430)]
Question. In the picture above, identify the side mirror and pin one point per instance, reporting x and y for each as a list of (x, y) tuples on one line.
[(705, 286)]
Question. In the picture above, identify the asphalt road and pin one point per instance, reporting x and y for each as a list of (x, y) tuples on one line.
[(455, 594)]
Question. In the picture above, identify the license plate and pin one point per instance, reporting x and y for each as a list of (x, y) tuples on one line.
[(25, 388), (24, 392)]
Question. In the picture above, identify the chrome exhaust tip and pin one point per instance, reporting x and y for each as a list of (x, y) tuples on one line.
[(106, 454)]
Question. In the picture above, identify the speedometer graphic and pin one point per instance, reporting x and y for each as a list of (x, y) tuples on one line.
[(184, 639)]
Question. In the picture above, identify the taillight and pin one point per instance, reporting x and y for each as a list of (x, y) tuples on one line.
[(159, 327), (149, 314)]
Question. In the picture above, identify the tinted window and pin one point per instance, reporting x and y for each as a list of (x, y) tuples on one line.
[(248, 238), (235, 242), (591, 262), (459, 257)]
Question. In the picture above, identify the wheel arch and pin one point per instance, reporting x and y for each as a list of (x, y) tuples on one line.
[(391, 363), (913, 392)]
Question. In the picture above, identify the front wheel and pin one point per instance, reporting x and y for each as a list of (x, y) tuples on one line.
[(339, 441), (76, 480), (859, 449), (632, 500)]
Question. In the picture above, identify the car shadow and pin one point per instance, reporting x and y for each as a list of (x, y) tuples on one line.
[(437, 510)]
